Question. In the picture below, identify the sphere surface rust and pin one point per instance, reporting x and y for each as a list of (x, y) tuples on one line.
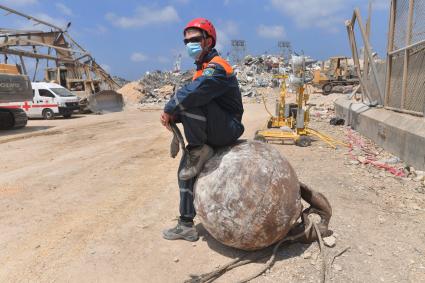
[(248, 196)]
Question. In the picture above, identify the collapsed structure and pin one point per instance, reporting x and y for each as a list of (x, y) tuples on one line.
[(67, 62)]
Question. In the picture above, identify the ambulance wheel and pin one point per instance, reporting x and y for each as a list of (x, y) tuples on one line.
[(303, 141), (48, 114), (67, 116)]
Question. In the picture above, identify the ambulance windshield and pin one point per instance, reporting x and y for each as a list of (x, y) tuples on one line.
[(62, 92)]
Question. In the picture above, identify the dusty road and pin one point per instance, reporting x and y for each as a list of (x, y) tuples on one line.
[(86, 199)]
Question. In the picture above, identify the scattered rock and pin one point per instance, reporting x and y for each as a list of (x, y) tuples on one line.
[(361, 159), (176, 259), (420, 190), (420, 173), (391, 160), (330, 241), (306, 255), (419, 178)]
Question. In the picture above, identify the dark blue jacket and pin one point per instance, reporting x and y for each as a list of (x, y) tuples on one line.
[(214, 84)]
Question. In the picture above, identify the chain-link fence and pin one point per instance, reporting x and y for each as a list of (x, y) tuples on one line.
[(405, 80)]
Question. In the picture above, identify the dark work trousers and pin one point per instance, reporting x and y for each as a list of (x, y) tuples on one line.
[(211, 125)]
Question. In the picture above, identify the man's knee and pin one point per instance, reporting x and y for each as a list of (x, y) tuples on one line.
[(193, 115)]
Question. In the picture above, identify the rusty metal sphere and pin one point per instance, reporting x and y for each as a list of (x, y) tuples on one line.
[(248, 196)]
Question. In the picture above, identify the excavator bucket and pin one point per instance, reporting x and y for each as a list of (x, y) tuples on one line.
[(105, 101)]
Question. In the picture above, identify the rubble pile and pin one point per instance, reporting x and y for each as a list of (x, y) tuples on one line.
[(254, 74), (257, 72), (154, 87)]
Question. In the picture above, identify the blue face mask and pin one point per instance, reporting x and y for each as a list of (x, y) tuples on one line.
[(194, 49)]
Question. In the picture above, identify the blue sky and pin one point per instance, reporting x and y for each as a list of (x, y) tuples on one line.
[(131, 37)]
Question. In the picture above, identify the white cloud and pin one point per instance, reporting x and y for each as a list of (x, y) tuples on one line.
[(163, 59), (98, 29), (145, 16), (138, 57), (225, 31), (231, 27), (222, 39), (326, 14), (64, 9), (276, 32)]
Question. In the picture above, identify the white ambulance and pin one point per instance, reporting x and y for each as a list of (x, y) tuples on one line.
[(50, 100)]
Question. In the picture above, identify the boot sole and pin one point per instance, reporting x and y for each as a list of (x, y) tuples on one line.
[(179, 237)]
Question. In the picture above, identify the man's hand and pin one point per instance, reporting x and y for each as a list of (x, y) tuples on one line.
[(165, 120)]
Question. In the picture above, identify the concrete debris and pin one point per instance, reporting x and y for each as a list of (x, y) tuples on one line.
[(257, 72), (254, 74), (154, 87), (329, 241), (306, 255)]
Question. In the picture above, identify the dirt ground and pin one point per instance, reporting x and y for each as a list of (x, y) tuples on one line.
[(86, 199)]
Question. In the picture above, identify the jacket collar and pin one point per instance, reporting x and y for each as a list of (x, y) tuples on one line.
[(206, 58)]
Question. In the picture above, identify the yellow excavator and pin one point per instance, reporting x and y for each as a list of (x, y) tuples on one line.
[(338, 73)]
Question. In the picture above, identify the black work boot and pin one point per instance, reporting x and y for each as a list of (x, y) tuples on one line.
[(195, 161), (183, 230)]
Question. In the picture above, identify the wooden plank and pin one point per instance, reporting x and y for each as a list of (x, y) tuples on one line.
[(368, 51)]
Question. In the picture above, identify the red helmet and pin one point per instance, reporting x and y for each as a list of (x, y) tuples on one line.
[(205, 25)]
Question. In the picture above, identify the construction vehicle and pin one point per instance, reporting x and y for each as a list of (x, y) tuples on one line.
[(15, 90), (338, 73), (80, 81), (292, 119), (71, 65)]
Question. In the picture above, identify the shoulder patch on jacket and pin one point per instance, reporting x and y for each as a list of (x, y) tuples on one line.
[(208, 72)]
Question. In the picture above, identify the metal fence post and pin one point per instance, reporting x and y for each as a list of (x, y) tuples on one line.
[(390, 48), (406, 54)]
